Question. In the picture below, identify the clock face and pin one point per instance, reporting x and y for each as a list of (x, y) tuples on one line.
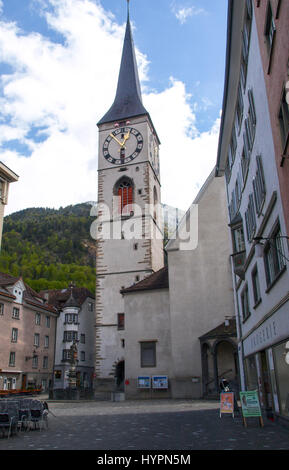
[(122, 145)]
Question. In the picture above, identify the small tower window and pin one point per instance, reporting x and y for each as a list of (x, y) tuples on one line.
[(124, 191)]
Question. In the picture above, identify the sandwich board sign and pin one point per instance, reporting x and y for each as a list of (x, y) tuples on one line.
[(251, 406), (227, 403)]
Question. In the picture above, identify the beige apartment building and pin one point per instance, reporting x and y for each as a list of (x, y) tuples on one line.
[(7, 176), (27, 336)]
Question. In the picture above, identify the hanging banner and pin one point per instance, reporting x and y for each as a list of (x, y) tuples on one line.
[(227, 403), (250, 404)]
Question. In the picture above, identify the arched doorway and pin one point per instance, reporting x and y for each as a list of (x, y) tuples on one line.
[(226, 363), (119, 376)]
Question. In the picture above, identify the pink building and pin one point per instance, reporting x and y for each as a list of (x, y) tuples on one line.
[(27, 336), (273, 32)]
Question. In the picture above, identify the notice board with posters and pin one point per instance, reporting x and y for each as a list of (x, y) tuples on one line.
[(160, 382), (144, 381), (251, 405)]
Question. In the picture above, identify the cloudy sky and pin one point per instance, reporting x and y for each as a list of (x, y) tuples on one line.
[(59, 63)]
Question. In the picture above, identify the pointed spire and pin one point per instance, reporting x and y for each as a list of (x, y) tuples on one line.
[(128, 100)]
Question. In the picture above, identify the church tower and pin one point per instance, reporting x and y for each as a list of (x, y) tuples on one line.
[(129, 227)]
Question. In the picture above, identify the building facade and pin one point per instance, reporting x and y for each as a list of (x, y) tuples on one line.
[(247, 157), (27, 336), (129, 236), (7, 176), (75, 324), (273, 32), (170, 349)]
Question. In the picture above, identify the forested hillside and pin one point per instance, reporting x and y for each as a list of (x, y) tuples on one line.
[(49, 247)]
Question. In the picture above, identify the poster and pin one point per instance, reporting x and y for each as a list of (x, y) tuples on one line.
[(227, 403), (144, 382), (160, 381), (250, 404)]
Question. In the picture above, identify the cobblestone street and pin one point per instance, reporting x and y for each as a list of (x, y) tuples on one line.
[(147, 425)]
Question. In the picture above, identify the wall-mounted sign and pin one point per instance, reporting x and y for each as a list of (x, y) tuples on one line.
[(160, 382), (144, 382)]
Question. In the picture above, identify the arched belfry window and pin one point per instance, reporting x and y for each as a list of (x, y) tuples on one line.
[(124, 191)]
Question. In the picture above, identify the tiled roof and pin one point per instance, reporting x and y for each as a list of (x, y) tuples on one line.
[(157, 280), (222, 330), (59, 297), (29, 295)]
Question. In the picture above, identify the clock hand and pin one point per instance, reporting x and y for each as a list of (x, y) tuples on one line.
[(119, 143), (126, 137)]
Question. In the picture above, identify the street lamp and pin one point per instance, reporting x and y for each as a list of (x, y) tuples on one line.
[(260, 246)]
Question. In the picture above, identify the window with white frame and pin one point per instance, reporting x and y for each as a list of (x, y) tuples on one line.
[(259, 185), (245, 303), (252, 119), (16, 313), (256, 285), (274, 258), (36, 339), (12, 359), (1, 309), (69, 336), (45, 362), (46, 341), (37, 318), (35, 362), (250, 219), (47, 321), (14, 335)]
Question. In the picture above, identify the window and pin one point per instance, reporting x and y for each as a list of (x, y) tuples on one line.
[(45, 362), (252, 120), (239, 109), (37, 319), (47, 322), (36, 339), (14, 335), (35, 362), (125, 197), (250, 219), (66, 355), (259, 185), (269, 28), (90, 306), (274, 256), (256, 285), (238, 239), (82, 338), (12, 358), (15, 313), (120, 321), (245, 303), (69, 336), (82, 355), (284, 120), (71, 318), (148, 354), (46, 341), (1, 309), (245, 157)]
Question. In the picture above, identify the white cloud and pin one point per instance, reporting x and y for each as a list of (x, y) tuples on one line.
[(183, 13), (64, 89)]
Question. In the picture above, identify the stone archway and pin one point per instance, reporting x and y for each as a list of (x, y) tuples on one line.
[(225, 360)]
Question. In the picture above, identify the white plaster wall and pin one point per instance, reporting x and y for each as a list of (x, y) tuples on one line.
[(263, 145)]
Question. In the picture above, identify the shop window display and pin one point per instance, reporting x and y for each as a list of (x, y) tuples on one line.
[(281, 356)]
